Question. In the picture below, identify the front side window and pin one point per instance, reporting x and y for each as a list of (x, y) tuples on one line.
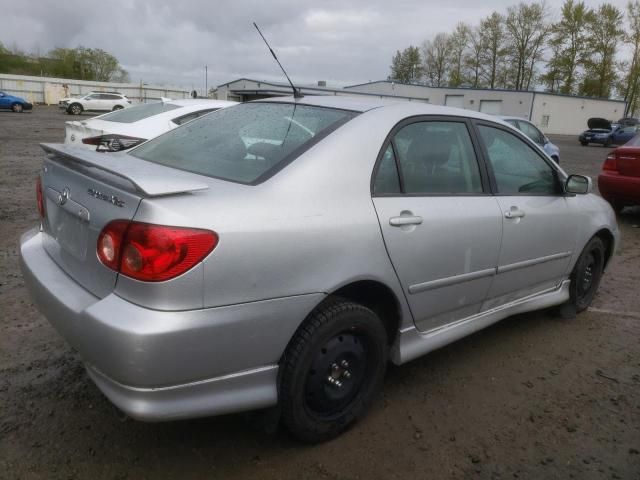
[(437, 157), (517, 168), (243, 143)]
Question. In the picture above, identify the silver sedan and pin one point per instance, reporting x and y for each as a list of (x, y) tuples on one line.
[(282, 252)]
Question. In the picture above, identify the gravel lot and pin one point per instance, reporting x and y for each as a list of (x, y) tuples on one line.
[(533, 397)]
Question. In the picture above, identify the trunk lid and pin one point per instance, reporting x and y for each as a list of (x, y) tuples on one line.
[(75, 131), (83, 191), (628, 161)]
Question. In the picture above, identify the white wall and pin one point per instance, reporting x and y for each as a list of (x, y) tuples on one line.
[(568, 115), (50, 90)]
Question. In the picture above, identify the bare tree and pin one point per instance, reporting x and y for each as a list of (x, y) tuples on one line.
[(631, 85), (436, 55)]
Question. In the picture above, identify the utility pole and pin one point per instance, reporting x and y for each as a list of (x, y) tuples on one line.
[(206, 75)]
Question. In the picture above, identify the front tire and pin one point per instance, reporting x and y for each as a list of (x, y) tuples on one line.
[(16, 107), (117, 107), (332, 370), (585, 278), (584, 144), (75, 109)]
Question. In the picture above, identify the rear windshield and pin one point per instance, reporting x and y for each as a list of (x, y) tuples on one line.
[(139, 112), (246, 143)]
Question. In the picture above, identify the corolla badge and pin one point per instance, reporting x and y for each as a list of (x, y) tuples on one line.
[(107, 198), (63, 196)]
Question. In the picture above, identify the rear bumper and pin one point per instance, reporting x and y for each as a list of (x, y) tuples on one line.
[(619, 188), (158, 365)]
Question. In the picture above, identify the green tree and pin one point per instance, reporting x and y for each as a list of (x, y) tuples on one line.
[(602, 41), (458, 42), (568, 42), (492, 39), (631, 83), (526, 29), (406, 66)]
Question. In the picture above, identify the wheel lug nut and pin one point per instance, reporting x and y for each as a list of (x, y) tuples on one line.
[(338, 383), (335, 366), (344, 364), (346, 374)]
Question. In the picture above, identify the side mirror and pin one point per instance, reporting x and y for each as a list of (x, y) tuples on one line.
[(578, 184)]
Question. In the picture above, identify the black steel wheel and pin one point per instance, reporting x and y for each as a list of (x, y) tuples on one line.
[(585, 278), (331, 370)]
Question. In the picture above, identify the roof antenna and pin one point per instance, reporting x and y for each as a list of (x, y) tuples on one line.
[(296, 92)]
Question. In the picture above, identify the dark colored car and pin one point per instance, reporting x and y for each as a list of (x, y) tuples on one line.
[(619, 182), (602, 132), (10, 102), (629, 121)]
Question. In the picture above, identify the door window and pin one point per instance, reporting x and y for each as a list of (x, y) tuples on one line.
[(532, 132), (437, 157), (517, 168)]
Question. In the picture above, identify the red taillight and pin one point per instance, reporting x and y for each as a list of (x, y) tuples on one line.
[(112, 143), (610, 164), (40, 197), (153, 253)]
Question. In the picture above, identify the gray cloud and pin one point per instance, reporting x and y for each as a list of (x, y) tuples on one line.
[(170, 42)]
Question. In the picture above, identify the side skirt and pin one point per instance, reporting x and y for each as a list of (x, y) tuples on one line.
[(412, 343)]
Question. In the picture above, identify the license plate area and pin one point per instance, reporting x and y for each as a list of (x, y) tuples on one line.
[(67, 222)]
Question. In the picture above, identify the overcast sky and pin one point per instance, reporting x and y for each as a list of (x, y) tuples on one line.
[(170, 42)]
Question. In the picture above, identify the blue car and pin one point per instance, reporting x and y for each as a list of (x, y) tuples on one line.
[(17, 104), (603, 132)]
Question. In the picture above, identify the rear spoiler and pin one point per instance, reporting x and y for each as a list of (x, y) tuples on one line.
[(151, 179)]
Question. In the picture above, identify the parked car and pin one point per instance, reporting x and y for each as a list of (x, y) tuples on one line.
[(123, 129), (629, 121), (16, 104), (94, 102), (283, 251), (619, 182), (531, 131), (602, 132)]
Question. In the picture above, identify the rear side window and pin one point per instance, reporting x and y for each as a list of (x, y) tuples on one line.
[(139, 112), (244, 143), (434, 157)]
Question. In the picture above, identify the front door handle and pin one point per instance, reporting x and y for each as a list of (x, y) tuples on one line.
[(514, 212), (405, 220)]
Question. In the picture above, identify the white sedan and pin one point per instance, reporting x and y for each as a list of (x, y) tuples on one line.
[(126, 128)]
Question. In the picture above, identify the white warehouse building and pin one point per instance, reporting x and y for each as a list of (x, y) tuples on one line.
[(552, 113)]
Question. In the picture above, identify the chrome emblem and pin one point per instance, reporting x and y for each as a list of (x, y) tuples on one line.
[(107, 198), (73, 138), (64, 196)]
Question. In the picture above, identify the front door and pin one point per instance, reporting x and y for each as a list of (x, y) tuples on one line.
[(539, 232), (440, 225)]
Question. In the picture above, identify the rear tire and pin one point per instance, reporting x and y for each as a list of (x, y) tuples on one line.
[(117, 107), (332, 370), (75, 109), (585, 278), (584, 144), (16, 107)]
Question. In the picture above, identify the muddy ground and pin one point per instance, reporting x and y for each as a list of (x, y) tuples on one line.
[(534, 397)]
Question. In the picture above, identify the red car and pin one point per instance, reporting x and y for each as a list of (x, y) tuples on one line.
[(619, 182)]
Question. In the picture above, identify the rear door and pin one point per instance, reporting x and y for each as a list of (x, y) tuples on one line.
[(440, 225), (539, 230)]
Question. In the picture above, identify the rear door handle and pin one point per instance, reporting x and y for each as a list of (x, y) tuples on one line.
[(405, 220), (514, 212)]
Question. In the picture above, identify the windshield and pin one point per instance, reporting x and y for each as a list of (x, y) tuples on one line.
[(139, 112), (245, 143)]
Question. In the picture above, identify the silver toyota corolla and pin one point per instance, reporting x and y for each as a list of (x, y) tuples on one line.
[(283, 251)]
